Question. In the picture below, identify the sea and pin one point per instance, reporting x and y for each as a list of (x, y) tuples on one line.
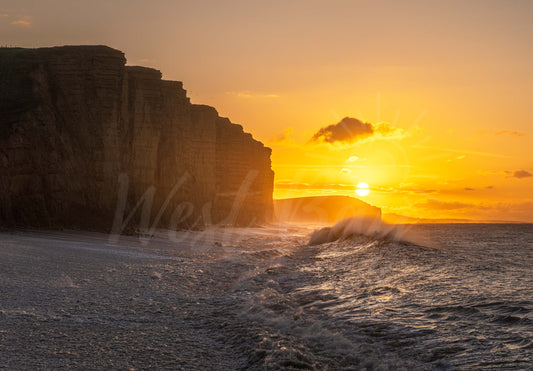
[(356, 296), (424, 297)]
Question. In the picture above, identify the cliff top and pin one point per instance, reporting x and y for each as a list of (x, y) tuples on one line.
[(16, 85), (146, 72), (64, 49)]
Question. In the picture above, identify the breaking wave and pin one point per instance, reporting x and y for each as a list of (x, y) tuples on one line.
[(365, 226), (367, 295)]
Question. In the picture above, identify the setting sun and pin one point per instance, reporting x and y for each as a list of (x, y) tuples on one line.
[(362, 189)]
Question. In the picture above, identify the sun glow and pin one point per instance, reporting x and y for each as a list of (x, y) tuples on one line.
[(362, 189)]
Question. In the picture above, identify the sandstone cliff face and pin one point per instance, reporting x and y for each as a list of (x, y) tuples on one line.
[(84, 138)]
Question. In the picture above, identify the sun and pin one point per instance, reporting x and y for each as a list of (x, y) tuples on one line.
[(362, 189)]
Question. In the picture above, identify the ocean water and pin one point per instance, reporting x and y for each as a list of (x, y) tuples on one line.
[(422, 297), (457, 296)]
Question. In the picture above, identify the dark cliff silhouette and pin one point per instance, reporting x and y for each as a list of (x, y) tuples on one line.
[(81, 134)]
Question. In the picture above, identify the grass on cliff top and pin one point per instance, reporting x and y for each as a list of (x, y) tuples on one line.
[(16, 85)]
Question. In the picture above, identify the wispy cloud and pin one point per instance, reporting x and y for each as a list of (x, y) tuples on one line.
[(289, 184), (25, 21), (510, 133), (492, 172), (146, 60), (285, 184), (525, 206), (283, 138), (250, 94), (434, 204), (21, 22), (453, 150), (520, 174), (411, 188)]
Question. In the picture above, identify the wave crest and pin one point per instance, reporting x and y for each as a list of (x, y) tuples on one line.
[(361, 226)]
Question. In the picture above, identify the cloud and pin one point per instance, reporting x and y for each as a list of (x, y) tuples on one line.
[(143, 61), (4, 15), (21, 22), (435, 204), (520, 174), (350, 130), (347, 130), (498, 212), (284, 138), (525, 206), (412, 189), (285, 184), (510, 133), (288, 184), (469, 189), (491, 172), (486, 154), (385, 130), (25, 21), (249, 94)]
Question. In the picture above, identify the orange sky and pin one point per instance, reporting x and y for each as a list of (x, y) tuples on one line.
[(452, 79)]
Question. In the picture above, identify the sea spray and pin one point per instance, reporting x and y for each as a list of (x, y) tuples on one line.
[(366, 226)]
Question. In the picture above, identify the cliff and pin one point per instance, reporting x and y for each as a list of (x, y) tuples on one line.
[(323, 209), (86, 142)]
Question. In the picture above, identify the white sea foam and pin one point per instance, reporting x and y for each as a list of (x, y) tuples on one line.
[(366, 299), (366, 226)]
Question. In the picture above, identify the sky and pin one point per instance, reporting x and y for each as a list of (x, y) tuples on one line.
[(427, 102)]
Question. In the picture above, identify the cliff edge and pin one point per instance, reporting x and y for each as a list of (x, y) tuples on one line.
[(88, 142)]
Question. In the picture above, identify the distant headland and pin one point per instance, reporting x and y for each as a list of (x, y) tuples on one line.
[(323, 209)]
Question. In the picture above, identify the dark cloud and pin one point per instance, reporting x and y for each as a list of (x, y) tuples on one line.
[(347, 130), (469, 189), (521, 174)]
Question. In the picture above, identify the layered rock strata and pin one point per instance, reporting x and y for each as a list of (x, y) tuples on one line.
[(86, 142)]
